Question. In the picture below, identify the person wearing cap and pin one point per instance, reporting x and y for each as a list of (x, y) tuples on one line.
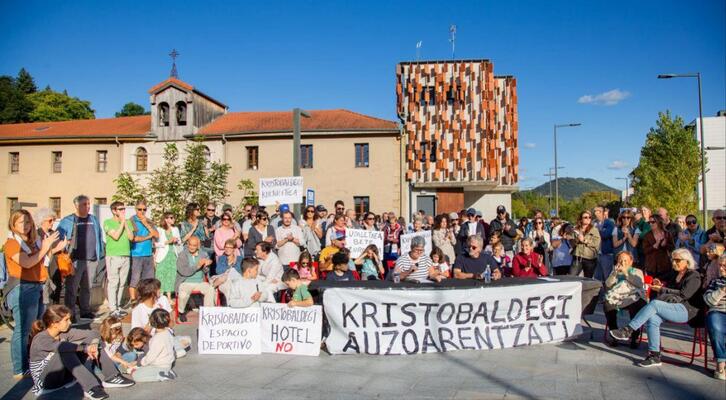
[(276, 220), (337, 242), (509, 230), (469, 228), (454, 222)]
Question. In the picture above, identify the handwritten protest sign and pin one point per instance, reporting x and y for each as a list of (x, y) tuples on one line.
[(281, 190), (289, 330), (224, 330), (406, 241), (358, 239)]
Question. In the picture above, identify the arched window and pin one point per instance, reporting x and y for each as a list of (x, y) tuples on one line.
[(163, 114), (142, 159), (207, 155), (181, 113)]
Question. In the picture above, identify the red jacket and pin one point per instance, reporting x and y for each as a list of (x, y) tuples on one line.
[(521, 261)]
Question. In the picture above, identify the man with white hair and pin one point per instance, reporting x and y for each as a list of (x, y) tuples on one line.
[(472, 264)]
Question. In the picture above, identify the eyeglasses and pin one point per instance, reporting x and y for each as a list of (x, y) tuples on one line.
[(226, 219), (539, 223), (310, 211), (120, 209), (691, 222), (370, 218), (719, 218), (675, 260), (340, 209), (651, 222), (263, 218), (169, 217), (211, 209), (417, 249), (141, 209), (626, 217), (473, 247), (586, 217)]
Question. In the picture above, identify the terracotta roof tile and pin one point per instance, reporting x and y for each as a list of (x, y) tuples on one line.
[(281, 121), (169, 81), (109, 127)]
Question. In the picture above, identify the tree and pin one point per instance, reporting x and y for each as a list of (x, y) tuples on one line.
[(53, 106), (25, 82), (14, 105), (177, 182), (668, 172), (131, 109)]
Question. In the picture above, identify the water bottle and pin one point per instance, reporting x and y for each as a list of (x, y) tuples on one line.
[(396, 277), (488, 274)]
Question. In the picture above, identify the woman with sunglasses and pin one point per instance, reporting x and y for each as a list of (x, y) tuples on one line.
[(626, 235), (676, 302), (657, 245), (261, 231), (312, 230), (51, 292), (691, 238), (540, 237), (368, 222), (586, 240)]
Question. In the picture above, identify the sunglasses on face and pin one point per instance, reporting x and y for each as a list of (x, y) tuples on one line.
[(340, 209), (210, 209), (263, 218), (310, 211), (719, 218), (651, 222), (120, 209), (675, 260), (539, 223), (370, 219), (691, 222), (586, 217), (626, 217), (141, 209), (226, 219)]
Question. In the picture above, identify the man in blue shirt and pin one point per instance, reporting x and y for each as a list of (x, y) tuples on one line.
[(605, 226), (142, 265)]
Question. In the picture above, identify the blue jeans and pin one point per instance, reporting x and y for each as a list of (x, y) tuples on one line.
[(716, 324), (654, 314), (26, 302), (604, 267)]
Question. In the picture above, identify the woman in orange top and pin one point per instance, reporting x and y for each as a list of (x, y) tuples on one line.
[(27, 272)]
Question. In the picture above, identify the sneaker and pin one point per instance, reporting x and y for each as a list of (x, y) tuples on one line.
[(166, 376), (88, 315), (181, 353), (653, 360), (719, 375), (122, 313), (171, 371), (118, 381), (622, 333), (96, 393), (183, 317)]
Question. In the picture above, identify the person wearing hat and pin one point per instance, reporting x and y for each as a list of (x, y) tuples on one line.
[(469, 228), (276, 220), (509, 230), (337, 242), (454, 222)]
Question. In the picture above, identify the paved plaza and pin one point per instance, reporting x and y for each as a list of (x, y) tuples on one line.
[(580, 369)]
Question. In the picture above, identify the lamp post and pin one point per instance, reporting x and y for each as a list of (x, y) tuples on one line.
[(550, 174), (697, 75), (627, 186), (557, 182), (296, 114)]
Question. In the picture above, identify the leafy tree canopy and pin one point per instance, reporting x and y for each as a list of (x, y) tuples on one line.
[(131, 109), (50, 105), (14, 105)]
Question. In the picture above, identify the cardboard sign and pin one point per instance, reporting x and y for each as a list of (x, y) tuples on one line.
[(358, 239), (406, 241), (281, 190), (225, 330), (293, 330)]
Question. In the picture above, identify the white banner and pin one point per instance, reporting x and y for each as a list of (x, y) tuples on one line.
[(293, 330), (406, 241), (225, 330), (287, 190), (428, 321), (358, 239)]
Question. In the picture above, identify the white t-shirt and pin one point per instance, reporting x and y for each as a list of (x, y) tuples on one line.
[(289, 252), (140, 314), (472, 228)]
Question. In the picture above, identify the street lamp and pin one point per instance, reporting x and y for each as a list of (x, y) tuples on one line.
[(550, 174), (557, 181), (296, 114), (697, 75), (627, 186)]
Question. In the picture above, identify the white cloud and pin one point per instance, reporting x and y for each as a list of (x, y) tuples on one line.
[(529, 145), (618, 164), (609, 98)]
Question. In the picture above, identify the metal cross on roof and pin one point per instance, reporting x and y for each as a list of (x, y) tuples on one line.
[(174, 54)]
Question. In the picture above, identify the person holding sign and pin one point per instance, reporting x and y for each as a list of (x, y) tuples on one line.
[(301, 297), (415, 266), (473, 263), (192, 265), (246, 290), (326, 255), (527, 263), (289, 237)]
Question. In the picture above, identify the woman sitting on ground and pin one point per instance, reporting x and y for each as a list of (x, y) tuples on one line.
[(58, 354), (677, 303), (625, 291), (715, 298)]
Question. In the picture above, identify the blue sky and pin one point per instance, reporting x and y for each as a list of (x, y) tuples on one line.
[(316, 55)]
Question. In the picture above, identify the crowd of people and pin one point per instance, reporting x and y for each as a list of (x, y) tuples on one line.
[(655, 268)]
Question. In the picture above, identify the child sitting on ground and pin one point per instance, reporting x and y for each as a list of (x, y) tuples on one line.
[(150, 299), (370, 263), (301, 297), (244, 290), (134, 347), (437, 256), (157, 363), (340, 268), (112, 335)]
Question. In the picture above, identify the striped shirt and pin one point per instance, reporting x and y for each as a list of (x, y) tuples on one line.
[(404, 264)]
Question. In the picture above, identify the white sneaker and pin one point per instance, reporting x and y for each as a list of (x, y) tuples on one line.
[(181, 353)]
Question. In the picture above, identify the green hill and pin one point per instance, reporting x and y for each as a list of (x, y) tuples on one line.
[(571, 188)]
